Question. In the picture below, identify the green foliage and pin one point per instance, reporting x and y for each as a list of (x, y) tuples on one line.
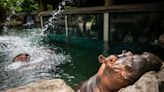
[(18, 5)]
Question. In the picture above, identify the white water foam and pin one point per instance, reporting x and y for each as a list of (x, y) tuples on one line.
[(14, 45)]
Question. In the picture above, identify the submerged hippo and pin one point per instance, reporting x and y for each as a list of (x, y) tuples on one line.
[(118, 71), (22, 57)]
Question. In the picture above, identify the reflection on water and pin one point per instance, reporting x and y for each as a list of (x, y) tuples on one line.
[(43, 64)]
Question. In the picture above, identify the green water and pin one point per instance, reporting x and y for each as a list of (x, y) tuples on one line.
[(78, 65), (84, 64), (71, 63), (85, 60)]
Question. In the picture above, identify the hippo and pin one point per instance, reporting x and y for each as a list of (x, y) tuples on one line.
[(22, 57), (118, 71)]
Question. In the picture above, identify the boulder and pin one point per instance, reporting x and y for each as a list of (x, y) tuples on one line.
[(150, 82), (161, 40), (55, 85)]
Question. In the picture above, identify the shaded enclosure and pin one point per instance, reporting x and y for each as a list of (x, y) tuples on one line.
[(77, 36), (135, 30)]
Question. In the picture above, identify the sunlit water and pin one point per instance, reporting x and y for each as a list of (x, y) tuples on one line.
[(43, 64)]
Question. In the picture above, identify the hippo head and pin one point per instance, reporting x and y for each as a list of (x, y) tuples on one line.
[(153, 62), (118, 71), (22, 57)]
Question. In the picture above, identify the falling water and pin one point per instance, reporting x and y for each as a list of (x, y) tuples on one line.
[(51, 23)]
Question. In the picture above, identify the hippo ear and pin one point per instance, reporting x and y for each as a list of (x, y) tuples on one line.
[(101, 59)]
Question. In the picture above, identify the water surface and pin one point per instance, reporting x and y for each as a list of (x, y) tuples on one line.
[(48, 60)]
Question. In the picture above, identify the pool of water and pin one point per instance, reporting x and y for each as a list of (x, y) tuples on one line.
[(48, 60), (84, 64)]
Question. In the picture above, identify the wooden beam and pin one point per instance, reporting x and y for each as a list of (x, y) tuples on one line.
[(45, 13), (151, 7)]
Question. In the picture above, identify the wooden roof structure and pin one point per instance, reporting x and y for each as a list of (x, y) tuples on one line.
[(106, 9), (149, 7), (88, 3)]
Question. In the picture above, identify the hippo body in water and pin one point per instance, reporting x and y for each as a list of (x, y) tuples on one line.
[(118, 71), (22, 58)]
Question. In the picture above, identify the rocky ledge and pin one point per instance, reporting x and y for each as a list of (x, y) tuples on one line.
[(55, 85)]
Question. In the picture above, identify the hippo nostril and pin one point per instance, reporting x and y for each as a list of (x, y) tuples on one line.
[(112, 59)]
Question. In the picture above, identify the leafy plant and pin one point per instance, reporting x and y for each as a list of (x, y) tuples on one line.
[(18, 5)]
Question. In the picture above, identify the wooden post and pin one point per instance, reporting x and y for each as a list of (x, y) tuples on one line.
[(66, 28), (106, 27), (106, 21), (43, 7), (41, 21)]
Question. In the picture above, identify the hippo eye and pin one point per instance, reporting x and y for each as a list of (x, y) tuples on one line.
[(124, 51), (145, 53), (128, 68)]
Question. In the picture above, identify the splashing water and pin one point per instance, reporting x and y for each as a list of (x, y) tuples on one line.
[(55, 16), (43, 63), (44, 60)]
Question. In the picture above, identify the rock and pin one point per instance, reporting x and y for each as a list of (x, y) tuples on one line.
[(55, 85), (161, 40), (160, 76), (150, 82), (147, 83)]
